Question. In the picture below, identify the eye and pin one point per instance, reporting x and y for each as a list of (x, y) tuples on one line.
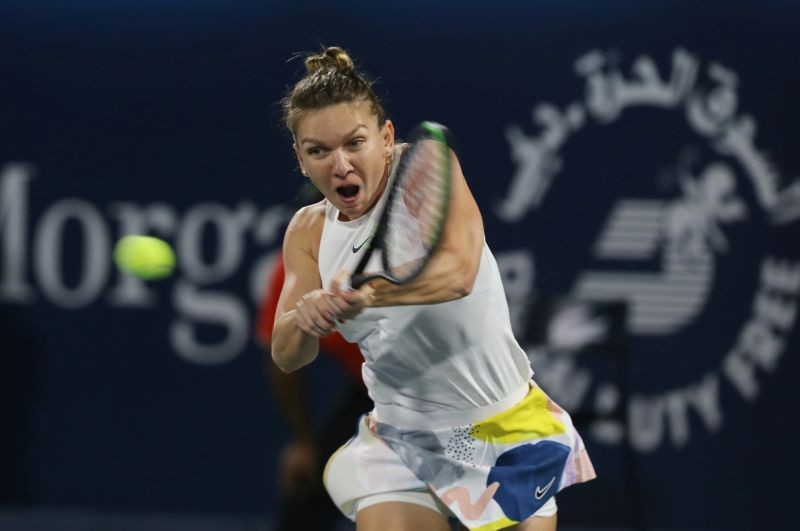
[(357, 142), (315, 151)]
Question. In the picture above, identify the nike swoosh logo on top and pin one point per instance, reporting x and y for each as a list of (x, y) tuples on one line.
[(540, 492), (356, 249)]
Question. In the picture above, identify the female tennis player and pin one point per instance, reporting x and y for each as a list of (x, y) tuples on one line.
[(459, 429)]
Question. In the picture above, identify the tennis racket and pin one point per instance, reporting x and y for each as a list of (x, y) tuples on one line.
[(412, 222)]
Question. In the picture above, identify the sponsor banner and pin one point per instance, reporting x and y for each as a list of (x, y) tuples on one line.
[(639, 182)]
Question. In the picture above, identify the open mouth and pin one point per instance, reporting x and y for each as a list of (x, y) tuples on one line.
[(348, 191)]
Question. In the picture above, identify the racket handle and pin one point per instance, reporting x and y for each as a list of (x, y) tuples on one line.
[(357, 280)]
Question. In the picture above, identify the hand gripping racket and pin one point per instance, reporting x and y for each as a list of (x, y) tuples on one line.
[(412, 222)]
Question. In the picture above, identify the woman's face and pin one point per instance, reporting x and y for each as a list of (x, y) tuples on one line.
[(346, 155)]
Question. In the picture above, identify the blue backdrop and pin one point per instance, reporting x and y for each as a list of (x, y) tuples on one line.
[(630, 154)]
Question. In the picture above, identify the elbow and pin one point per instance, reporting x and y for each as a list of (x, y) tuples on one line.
[(288, 358), (470, 264), (282, 363), (461, 291), (464, 283), (281, 349), (465, 275), (283, 360)]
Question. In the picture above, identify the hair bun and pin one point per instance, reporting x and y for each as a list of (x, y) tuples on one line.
[(330, 78), (332, 58)]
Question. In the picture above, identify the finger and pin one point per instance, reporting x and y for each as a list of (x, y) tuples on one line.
[(318, 307), (323, 326), (307, 326), (357, 297), (338, 305), (309, 329), (323, 313), (323, 331), (326, 308), (327, 314), (369, 293), (340, 281), (354, 310), (310, 322)]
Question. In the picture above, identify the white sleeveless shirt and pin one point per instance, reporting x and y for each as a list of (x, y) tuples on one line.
[(429, 365)]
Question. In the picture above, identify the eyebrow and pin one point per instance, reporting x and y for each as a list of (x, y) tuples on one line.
[(320, 142)]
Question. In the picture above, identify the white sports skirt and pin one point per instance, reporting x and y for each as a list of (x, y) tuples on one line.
[(490, 474)]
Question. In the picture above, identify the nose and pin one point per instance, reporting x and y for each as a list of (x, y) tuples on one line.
[(341, 164)]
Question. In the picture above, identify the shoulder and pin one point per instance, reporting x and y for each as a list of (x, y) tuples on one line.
[(305, 228), (309, 217)]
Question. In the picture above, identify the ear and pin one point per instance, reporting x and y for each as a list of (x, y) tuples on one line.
[(387, 131), (299, 160)]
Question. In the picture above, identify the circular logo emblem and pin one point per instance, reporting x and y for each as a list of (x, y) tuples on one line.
[(678, 228)]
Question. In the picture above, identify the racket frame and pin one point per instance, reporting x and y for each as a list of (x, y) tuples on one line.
[(425, 131)]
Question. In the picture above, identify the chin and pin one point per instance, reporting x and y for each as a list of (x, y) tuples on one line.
[(350, 212), (354, 215)]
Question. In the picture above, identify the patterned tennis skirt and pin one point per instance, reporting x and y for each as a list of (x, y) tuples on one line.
[(491, 474)]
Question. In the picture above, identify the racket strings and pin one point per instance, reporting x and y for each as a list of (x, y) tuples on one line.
[(417, 209)]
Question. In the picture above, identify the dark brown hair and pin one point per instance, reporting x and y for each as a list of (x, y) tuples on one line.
[(331, 78)]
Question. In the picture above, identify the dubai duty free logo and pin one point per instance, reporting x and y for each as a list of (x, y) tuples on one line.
[(685, 233)]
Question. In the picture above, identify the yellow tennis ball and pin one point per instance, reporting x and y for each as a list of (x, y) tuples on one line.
[(145, 257)]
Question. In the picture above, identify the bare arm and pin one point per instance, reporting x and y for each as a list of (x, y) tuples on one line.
[(295, 337), (449, 275), (452, 269)]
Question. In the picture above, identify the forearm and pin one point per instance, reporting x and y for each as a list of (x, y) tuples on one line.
[(448, 276), (292, 348), (453, 267)]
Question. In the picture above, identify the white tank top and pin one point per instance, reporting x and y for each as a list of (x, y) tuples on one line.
[(429, 365)]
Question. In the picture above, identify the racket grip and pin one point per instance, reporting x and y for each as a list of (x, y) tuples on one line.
[(356, 281)]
